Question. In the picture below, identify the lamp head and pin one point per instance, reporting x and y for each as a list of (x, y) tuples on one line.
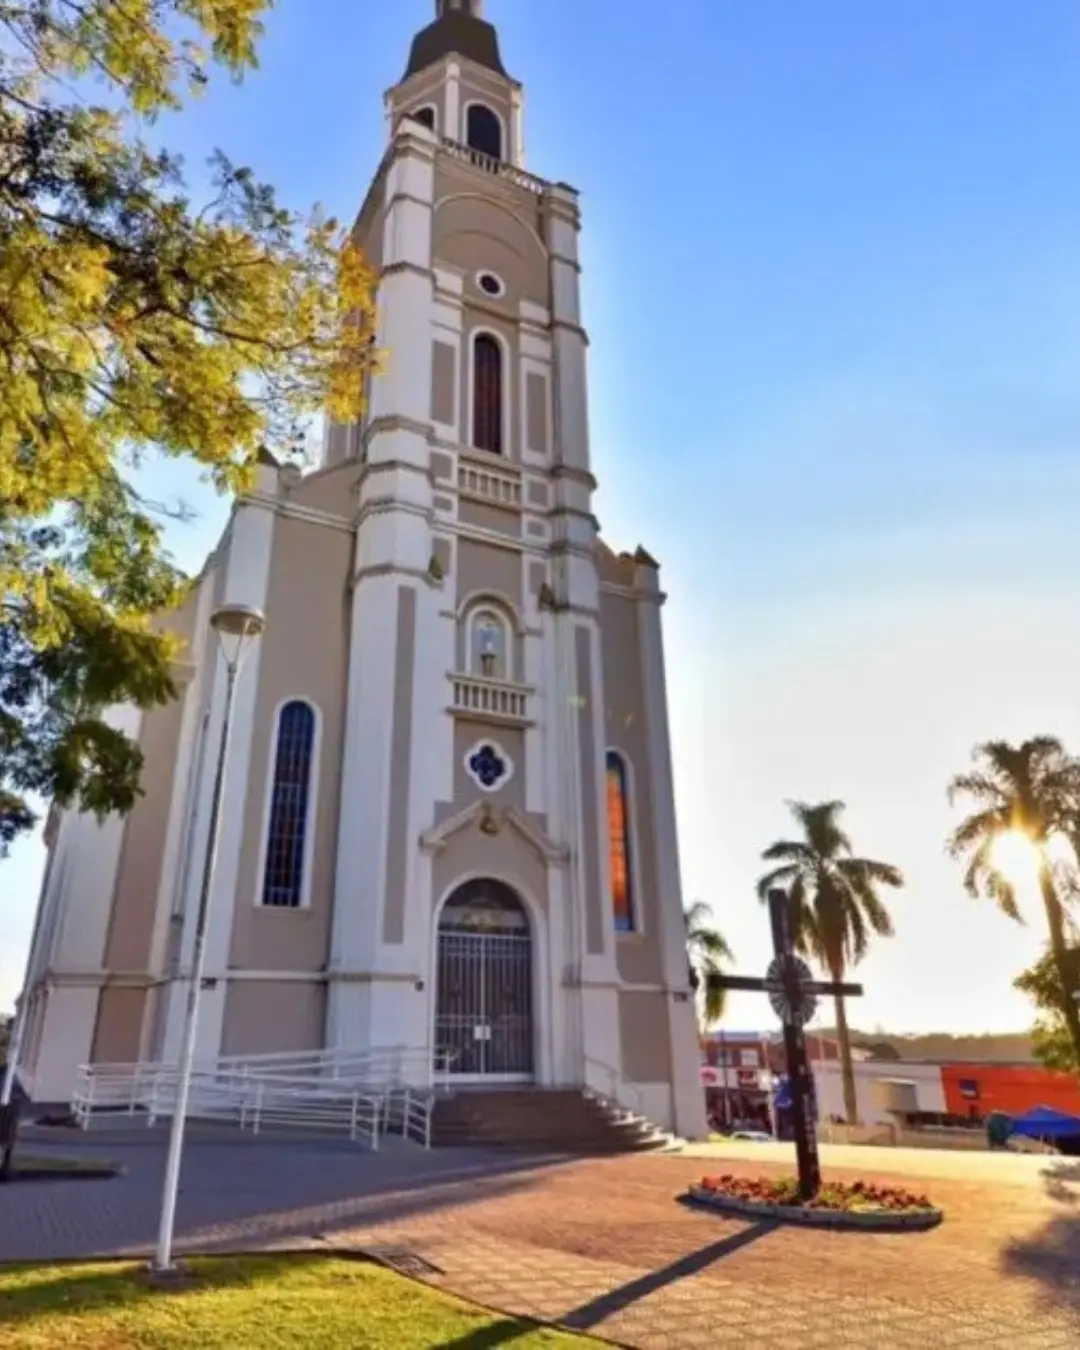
[(236, 626)]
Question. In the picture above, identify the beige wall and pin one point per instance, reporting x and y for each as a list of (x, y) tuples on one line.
[(264, 1017), (488, 569), (645, 1036), (304, 655), (482, 86), (118, 1031), (506, 855), (425, 88), (331, 490), (474, 234), (500, 519), (639, 955), (131, 923), (512, 739)]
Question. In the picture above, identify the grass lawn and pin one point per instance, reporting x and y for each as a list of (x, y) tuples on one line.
[(39, 1164), (232, 1303)]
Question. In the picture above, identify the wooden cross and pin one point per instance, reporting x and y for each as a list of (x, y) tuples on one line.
[(793, 993)]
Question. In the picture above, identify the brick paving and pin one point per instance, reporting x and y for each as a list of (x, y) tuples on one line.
[(601, 1245)]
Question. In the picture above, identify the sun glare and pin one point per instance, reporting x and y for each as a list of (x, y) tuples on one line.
[(1017, 858)]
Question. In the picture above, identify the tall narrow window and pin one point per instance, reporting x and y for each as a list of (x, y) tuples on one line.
[(283, 879), (426, 115), (618, 808), (483, 131), (487, 395)]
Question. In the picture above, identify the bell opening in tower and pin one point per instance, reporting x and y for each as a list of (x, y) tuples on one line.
[(483, 131)]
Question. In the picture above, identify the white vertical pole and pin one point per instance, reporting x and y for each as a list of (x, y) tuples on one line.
[(163, 1256)]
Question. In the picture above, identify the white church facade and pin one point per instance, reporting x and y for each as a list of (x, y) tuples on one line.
[(449, 819)]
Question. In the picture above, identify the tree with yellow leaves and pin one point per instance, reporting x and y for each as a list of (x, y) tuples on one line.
[(133, 321)]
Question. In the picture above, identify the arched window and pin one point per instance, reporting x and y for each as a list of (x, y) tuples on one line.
[(488, 645), (290, 793), (487, 394), (618, 809), (483, 131), (425, 115)]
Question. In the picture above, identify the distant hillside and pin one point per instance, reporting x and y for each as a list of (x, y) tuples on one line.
[(940, 1045)]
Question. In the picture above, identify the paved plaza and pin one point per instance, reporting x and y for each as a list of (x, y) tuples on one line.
[(600, 1245)]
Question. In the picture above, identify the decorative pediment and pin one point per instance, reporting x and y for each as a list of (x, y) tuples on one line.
[(491, 820)]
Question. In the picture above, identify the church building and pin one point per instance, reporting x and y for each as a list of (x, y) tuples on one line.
[(448, 820)]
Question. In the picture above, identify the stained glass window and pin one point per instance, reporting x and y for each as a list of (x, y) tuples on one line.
[(618, 808), (283, 881), (487, 395)]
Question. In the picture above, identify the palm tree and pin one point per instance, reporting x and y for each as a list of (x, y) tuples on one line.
[(835, 905), (1031, 790), (706, 952)]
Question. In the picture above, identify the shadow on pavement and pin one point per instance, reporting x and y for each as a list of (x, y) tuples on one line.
[(332, 1224), (615, 1300), (1056, 1179), (250, 1193), (1051, 1257)]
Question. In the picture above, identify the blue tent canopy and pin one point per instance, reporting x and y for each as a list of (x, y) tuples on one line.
[(1043, 1122)]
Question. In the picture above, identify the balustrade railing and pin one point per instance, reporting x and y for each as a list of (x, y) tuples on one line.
[(498, 168), (490, 698), (500, 488)]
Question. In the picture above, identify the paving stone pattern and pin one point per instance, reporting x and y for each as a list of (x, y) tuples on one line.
[(598, 1245)]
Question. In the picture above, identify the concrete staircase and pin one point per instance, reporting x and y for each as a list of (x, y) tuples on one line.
[(566, 1120)]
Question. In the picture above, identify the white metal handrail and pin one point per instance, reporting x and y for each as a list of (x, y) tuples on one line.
[(361, 1091), (617, 1088)]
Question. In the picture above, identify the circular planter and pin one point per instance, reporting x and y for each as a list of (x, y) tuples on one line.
[(873, 1220)]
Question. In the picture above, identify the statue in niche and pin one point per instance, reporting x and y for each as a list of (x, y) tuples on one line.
[(489, 639)]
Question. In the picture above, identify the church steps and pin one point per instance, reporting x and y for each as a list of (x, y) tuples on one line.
[(564, 1119)]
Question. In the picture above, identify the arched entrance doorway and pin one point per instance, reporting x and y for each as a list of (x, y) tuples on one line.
[(484, 983)]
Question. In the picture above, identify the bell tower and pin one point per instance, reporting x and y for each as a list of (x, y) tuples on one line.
[(456, 84), (475, 760)]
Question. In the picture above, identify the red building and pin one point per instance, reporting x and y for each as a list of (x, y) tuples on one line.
[(974, 1090)]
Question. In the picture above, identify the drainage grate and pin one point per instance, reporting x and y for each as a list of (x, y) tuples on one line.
[(405, 1263)]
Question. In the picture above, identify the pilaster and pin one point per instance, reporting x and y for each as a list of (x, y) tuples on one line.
[(688, 1102), (375, 963)]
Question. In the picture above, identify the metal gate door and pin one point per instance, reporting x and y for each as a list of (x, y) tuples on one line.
[(484, 984)]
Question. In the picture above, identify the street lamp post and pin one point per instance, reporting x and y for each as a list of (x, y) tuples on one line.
[(235, 626)]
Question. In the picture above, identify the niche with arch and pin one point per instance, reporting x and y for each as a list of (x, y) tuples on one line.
[(483, 130), (489, 640)]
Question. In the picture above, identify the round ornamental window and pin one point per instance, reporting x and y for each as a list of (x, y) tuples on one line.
[(489, 766), (490, 284)]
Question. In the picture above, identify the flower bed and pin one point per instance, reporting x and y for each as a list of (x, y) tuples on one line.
[(861, 1204)]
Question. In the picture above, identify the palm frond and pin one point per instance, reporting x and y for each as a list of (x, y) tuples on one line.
[(710, 947), (788, 850), (780, 878), (713, 997), (697, 915), (865, 899), (982, 825), (835, 905), (821, 827), (978, 786), (871, 871)]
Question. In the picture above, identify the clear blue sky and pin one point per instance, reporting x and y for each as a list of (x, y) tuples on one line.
[(832, 281)]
